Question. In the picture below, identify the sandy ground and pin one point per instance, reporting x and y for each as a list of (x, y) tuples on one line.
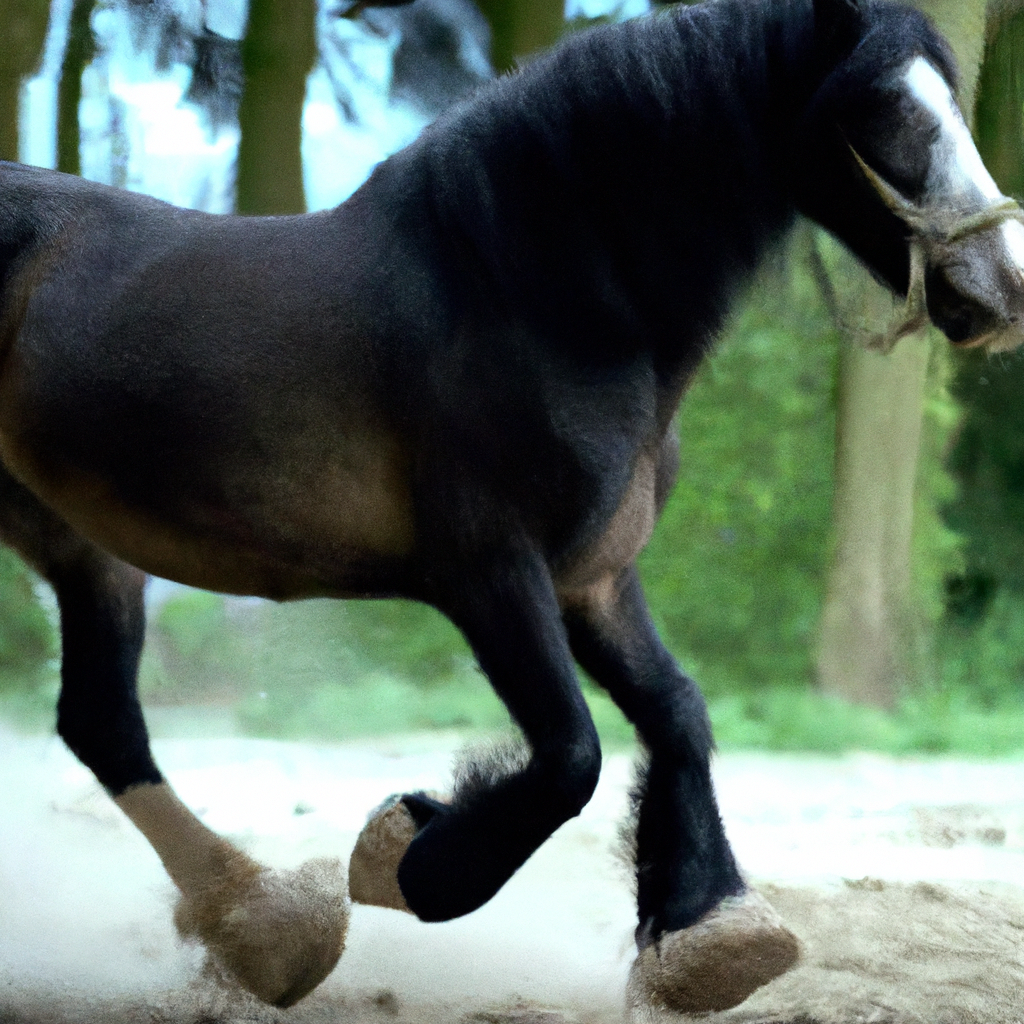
[(901, 877)]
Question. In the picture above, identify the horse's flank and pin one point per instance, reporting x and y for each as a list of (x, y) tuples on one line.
[(161, 401)]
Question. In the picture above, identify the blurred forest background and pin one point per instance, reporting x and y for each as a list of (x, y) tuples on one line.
[(842, 562)]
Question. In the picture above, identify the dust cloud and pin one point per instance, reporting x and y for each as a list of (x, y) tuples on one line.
[(898, 876)]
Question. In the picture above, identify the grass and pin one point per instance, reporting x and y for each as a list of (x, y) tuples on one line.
[(944, 722), (776, 719), (297, 686), (950, 723)]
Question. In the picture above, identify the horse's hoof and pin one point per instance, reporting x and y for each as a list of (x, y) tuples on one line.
[(373, 866), (277, 933), (716, 963)]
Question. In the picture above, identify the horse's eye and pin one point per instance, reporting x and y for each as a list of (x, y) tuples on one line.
[(899, 142)]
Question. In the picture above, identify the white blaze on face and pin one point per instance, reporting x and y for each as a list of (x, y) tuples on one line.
[(956, 174)]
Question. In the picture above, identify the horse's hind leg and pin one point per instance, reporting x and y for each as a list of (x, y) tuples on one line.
[(464, 852), (705, 941), (279, 934)]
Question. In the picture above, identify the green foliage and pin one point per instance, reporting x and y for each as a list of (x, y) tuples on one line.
[(982, 653), (988, 460), (980, 647), (346, 641), (735, 571), (191, 653), (406, 640), (371, 705), (201, 646), (27, 641), (190, 621), (938, 550), (319, 668), (328, 670), (303, 672), (999, 111), (937, 720)]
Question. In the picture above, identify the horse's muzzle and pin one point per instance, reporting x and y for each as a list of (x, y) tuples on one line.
[(966, 268), (974, 289)]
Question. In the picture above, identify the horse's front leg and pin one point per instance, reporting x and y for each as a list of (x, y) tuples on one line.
[(460, 854), (278, 933), (705, 940)]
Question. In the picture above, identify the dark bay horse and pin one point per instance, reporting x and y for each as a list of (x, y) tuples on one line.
[(457, 387)]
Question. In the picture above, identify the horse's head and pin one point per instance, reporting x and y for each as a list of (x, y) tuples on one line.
[(897, 177)]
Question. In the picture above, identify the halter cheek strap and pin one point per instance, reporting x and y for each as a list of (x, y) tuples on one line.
[(931, 229)]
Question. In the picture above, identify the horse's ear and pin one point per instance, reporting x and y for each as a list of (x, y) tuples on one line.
[(838, 24)]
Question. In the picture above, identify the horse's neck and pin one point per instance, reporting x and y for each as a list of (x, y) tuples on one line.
[(623, 185)]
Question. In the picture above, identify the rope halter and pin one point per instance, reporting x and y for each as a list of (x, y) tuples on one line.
[(931, 231)]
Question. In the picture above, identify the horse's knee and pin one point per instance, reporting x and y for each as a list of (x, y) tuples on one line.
[(571, 772), (675, 723), (463, 853), (109, 737), (102, 627)]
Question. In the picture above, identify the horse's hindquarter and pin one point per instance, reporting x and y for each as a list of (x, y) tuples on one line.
[(193, 394)]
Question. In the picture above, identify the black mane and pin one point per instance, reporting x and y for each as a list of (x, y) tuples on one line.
[(628, 182)]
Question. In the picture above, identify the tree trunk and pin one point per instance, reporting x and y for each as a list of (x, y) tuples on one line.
[(24, 26), (521, 27), (277, 56), (870, 632), (869, 623), (80, 49)]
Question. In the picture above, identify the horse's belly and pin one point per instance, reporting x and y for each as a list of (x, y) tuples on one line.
[(319, 527)]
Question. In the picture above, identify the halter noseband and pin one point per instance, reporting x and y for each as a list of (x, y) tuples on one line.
[(931, 230)]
